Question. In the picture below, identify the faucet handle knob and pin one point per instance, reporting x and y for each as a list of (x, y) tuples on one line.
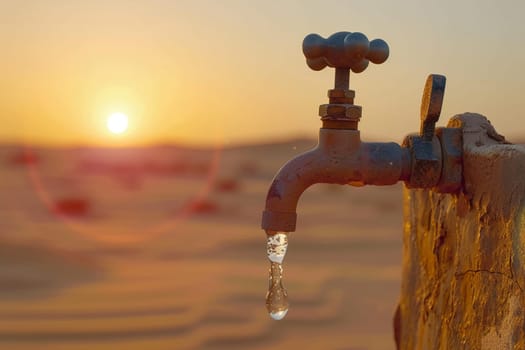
[(431, 103), (344, 50)]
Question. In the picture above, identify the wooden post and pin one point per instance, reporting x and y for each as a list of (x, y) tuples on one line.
[(464, 254)]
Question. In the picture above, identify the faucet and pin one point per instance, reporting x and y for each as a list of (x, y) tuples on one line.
[(431, 158)]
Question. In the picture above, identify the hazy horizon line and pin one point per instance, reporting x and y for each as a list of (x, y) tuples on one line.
[(156, 144), (190, 145)]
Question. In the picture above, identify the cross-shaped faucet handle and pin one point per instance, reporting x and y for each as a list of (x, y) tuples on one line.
[(344, 50)]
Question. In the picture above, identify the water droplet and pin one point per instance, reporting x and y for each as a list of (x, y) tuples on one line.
[(277, 297), (279, 315), (276, 246)]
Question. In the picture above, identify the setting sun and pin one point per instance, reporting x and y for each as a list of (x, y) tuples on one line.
[(117, 123)]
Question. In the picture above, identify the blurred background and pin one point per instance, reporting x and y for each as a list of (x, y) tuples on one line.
[(138, 140)]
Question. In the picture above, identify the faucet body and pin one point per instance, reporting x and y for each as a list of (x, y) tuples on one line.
[(339, 158), (432, 159)]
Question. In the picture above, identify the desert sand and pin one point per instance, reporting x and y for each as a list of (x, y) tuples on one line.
[(160, 248)]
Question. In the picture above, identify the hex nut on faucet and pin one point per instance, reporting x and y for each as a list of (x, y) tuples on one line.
[(451, 140), (341, 96), (342, 111), (425, 161)]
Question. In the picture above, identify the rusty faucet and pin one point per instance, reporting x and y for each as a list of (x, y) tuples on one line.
[(430, 159)]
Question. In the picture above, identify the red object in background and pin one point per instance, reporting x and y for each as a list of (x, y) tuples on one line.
[(72, 206), (24, 157), (227, 185), (204, 206)]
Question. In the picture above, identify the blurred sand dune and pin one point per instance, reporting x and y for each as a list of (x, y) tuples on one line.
[(142, 267)]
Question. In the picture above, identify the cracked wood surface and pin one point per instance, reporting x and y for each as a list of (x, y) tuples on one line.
[(463, 258)]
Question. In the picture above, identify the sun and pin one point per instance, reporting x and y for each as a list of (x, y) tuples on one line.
[(117, 123)]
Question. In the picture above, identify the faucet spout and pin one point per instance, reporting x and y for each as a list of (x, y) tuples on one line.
[(339, 158), (286, 189)]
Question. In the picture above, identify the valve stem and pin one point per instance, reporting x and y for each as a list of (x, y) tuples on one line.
[(342, 79)]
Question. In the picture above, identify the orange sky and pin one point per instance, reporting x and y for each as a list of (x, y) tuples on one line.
[(218, 72)]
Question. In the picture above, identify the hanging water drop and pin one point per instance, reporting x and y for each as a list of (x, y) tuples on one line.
[(277, 297)]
